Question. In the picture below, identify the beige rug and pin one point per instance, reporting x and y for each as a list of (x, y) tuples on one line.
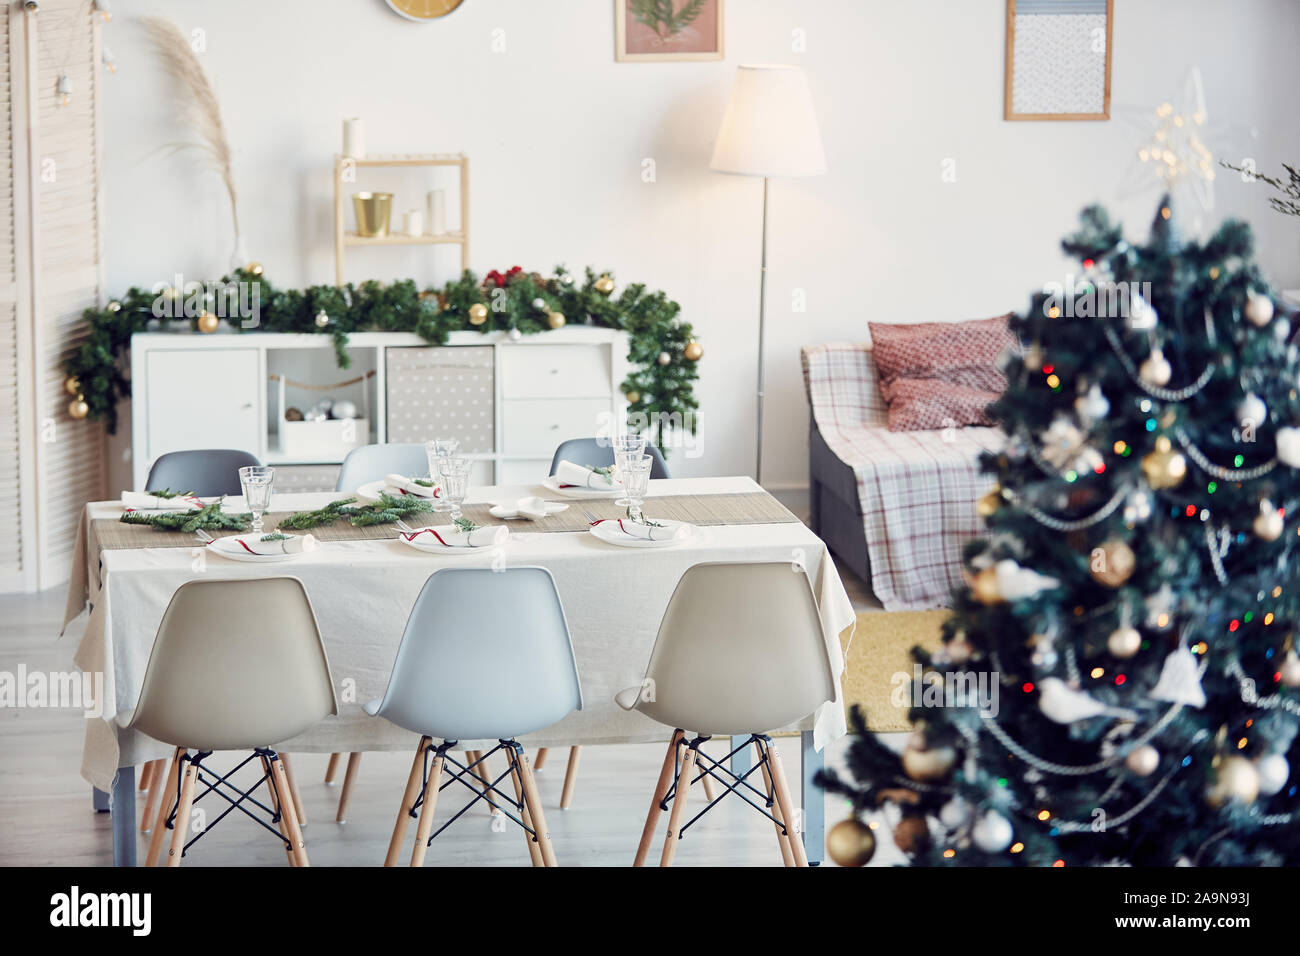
[(881, 648)]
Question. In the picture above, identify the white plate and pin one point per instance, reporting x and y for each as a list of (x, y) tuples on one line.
[(229, 548), (368, 494), (608, 531), (551, 483), (431, 546)]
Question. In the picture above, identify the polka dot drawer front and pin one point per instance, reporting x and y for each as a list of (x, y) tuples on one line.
[(442, 391)]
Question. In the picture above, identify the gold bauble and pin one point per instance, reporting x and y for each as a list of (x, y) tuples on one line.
[(604, 285), (1290, 670), (984, 587), (988, 504), (933, 763), (912, 834), (207, 322), (1269, 524), (72, 385), (1124, 642), (851, 843), (555, 319), (1112, 564), (1144, 761), (477, 313), (253, 268), (1164, 467), (1236, 779), (694, 351), (78, 408), (633, 397)]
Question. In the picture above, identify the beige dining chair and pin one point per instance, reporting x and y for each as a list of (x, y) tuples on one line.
[(740, 653), (237, 665)]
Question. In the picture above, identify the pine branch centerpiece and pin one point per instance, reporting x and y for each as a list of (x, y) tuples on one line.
[(387, 511), (208, 518)]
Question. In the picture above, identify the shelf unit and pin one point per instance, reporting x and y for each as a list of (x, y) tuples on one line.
[(344, 239)]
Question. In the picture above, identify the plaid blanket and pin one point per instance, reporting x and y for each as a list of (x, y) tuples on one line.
[(917, 488)]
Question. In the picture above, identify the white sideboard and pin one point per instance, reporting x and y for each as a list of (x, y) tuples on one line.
[(513, 401)]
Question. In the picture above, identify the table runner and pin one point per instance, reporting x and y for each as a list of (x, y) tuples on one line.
[(702, 510)]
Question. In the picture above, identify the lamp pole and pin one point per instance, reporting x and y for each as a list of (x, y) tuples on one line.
[(762, 313)]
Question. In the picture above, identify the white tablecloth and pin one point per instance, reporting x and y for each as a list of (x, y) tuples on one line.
[(362, 592)]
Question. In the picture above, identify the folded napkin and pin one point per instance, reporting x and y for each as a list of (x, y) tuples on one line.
[(398, 485), (570, 475), (144, 501), (450, 536), (647, 532), (295, 544)]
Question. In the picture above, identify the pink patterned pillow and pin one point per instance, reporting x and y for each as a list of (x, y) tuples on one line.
[(940, 374)]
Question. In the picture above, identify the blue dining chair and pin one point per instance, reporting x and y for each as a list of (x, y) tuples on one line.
[(372, 462), (591, 451), (485, 655), (206, 472)]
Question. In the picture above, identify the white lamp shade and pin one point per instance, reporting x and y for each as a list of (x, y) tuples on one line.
[(769, 128)]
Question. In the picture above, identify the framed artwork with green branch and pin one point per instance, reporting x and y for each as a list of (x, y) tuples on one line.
[(668, 30)]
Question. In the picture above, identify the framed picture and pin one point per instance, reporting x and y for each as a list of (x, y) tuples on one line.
[(660, 31), (1058, 59)]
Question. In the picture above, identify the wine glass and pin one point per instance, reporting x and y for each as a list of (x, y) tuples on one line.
[(438, 451), (636, 482), (455, 483), (624, 447), (256, 480)]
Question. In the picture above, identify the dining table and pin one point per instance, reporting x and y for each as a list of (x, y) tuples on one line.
[(362, 583)]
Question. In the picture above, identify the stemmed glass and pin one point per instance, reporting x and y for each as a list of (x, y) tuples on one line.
[(256, 480), (455, 483), (438, 451), (625, 446), (636, 482)]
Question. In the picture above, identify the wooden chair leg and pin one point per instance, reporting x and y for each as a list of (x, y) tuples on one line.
[(288, 813), (413, 782), (427, 810), (481, 772), (273, 799), (782, 790), (534, 801), (349, 778), (146, 773), (787, 857), (188, 778), (706, 779), (293, 790), (661, 790), (155, 769), (570, 777), (678, 814), (164, 806), (534, 849), (540, 762), (331, 768)]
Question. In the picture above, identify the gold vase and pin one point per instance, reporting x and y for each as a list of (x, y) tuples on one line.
[(374, 212)]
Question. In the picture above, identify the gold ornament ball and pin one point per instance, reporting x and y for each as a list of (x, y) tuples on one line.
[(78, 408), (72, 385), (1124, 642), (693, 351), (477, 313), (207, 323), (555, 319), (984, 587), (1268, 525), (253, 268), (912, 834), (1237, 780), (604, 285), (1290, 670), (988, 505), (633, 397), (851, 843), (1114, 564), (1164, 467), (1144, 761), (115, 306), (933, 763)]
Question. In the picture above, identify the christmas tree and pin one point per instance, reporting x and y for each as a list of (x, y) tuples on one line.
[(1117, 683)]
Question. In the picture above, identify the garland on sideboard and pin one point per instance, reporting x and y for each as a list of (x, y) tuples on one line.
[(662, 351)]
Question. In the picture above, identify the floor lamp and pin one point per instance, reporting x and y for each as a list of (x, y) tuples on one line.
[(768, 130)]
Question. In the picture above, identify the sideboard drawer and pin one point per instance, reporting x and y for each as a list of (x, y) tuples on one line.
[(554, 371), (537, 426)]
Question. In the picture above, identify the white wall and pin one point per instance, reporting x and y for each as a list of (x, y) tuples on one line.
[(557, 131)]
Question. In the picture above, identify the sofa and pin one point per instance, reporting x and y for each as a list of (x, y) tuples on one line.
[(896, 507)]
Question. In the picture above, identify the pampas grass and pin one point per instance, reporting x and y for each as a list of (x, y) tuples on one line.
[(196, 103)]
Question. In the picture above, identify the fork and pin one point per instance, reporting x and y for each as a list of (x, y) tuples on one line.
[(591, 518), (204, 536)]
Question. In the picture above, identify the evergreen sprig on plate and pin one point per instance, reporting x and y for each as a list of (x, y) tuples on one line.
[(209, 518)]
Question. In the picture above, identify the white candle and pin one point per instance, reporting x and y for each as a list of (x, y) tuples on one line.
[(354, 141), (413, 223), (437, 212)]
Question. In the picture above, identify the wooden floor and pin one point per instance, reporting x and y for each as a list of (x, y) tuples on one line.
[(46, 816)]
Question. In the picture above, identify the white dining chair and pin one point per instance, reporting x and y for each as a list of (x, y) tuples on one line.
[(485, 655), (236, 665), (740, 653)]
